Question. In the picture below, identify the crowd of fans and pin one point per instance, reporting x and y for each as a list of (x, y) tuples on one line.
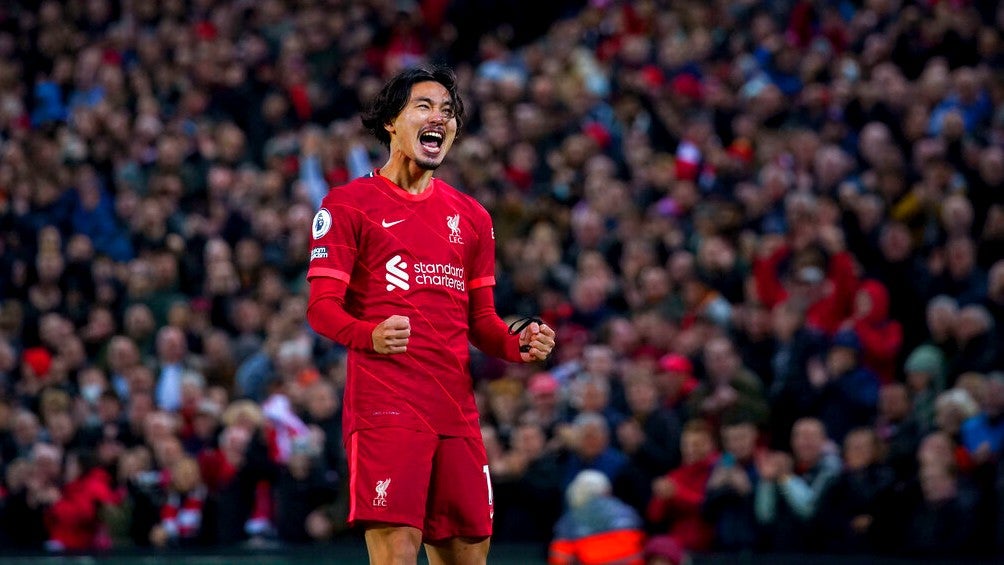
[(770, 236)]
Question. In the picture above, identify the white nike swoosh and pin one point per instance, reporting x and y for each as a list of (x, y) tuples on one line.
[(387, 224)]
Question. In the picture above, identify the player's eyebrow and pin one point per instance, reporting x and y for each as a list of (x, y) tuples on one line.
[(430, 101)]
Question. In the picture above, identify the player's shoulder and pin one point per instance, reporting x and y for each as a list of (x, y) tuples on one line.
[(462, 200), (356, 191)]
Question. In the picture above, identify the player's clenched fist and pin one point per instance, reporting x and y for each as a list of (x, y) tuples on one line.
[(391, 335), (540, 338)]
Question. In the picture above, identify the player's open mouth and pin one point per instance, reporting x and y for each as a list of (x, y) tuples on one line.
[(432, 141)]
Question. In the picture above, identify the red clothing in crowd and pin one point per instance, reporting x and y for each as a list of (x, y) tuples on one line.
[(216, 470), (73, 521), (827, 313), (880, 337), (683, 509)]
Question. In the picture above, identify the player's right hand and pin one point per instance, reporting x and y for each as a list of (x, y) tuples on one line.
[(391, 335)]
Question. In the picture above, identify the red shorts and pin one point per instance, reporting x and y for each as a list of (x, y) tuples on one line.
[(437, 484)]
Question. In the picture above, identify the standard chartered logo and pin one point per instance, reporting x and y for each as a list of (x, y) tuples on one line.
[(396, 275), (423, 274), (440, 274)]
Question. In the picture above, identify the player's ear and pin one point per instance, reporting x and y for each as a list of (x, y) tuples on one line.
[(389, 127)]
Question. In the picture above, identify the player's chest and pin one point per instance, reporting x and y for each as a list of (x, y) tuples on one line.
[(433, 232), (411, 249)]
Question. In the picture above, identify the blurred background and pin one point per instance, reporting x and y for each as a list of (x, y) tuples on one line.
[(770, 236)]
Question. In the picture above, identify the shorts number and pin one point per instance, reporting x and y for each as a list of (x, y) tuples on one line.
[(488, 479)]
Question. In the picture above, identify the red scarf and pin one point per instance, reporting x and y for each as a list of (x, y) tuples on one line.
[(182, 518)]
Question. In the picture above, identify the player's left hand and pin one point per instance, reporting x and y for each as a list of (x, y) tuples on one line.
[(540, 338)]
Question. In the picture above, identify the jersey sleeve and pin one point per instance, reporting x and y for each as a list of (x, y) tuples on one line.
[(482, 271), (335, 234)]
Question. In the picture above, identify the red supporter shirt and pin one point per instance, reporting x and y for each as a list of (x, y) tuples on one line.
[(416, 256)]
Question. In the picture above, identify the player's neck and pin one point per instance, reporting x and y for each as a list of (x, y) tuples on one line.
[(407, 175)]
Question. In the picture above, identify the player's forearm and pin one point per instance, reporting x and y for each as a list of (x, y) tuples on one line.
[(327, 315), (492, 337), (488, 332)]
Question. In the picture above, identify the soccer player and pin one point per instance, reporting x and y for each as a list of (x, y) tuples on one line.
[(401, 273)]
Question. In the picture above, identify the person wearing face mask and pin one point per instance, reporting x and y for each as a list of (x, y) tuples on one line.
[(91, 382)]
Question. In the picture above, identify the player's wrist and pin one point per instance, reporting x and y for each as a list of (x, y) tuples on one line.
[(363, 336), (521, 329), (514, 350)]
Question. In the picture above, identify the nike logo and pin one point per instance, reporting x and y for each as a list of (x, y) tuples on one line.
[(387, 224)]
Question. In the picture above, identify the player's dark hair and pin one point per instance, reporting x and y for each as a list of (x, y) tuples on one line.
[(391, 99)]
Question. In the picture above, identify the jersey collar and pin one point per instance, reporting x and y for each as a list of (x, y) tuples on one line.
[(403, 194)]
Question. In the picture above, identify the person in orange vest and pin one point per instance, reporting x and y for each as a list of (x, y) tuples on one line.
[(597, 528)]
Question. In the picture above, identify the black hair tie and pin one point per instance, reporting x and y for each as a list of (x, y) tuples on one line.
[(521, 324)]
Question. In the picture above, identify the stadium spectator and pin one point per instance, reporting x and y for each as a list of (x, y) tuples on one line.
[(304, 485), (880, 337), (945, 520), (731, 489), (983, 434), (677, 496), (942, 314), (527, 490), (790, 391), (953, 408), (544, 406), (925, 378), (590, 394), (597, 528), (73, 520), (790, 488), (729, 388), (845, 394), (182, 514), (591, 448), (650, 433), (898, 430), (818, 273), (675, 381), (851, 502), (33, 486), (979, 350)]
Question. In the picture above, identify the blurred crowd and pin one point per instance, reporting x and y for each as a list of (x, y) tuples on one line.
[(770, 236)]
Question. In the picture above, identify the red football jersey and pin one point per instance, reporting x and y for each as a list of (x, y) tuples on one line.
[(416, 256)]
